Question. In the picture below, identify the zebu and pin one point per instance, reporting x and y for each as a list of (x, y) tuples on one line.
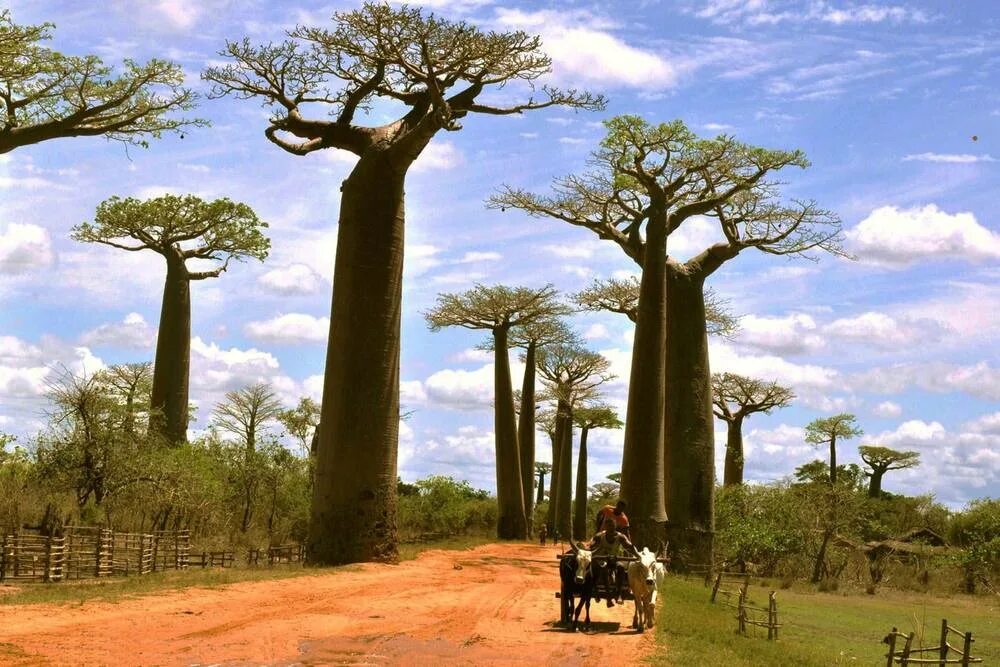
[(577, 579), (644, 578)]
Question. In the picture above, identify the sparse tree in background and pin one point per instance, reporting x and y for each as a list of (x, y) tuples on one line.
[(541, 469), (547, 420), (736, 397), (180, 229), (827, 431), (647, 181), (301, 423), (134, 384), (883, 459), (622, 296), (499, 309), (244, 415), (587, 418), (571, 376), (47, 95), (437, 70)]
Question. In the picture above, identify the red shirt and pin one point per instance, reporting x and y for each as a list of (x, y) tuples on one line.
[(621, 520)]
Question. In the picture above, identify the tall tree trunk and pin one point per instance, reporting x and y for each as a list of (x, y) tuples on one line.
[(511, 522), (353, 515), (580, 504), (169, 396), (526, 436), (564, 511), (875, 483), (557, 440), (642, 459), (541, 489), (689, 426), (734, 452), (833, 460), (818, 566)]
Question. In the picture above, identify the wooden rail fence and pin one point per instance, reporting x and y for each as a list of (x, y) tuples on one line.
[(747, 614), (730, 594), (907, 655)]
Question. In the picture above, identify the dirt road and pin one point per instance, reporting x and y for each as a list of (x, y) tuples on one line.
[(492, 605)]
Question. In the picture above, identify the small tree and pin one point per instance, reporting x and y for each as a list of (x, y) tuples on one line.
[(437, 71), (243, 414), (541, 469), (499, 309), (736, 397), (47, 95), (179, 229), (826, 431), (881, 460), (599, 415), (301, 422)]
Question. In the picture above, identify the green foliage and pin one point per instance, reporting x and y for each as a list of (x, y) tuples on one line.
[(445, 506), (495, 307), (760, 524), (49, 95), (838, 427)]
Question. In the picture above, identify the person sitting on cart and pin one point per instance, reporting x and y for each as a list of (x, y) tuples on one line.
[(614, 544), (616, 512)]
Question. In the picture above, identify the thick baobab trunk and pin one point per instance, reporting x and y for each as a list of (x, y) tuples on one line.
[(169, 396), (550, 512), (689, 433), (526, 436), (734, 452), (580, 521), (564, 509), (875, 483), (541, 489), (353, 516), (642, 458), (833, 460), (511, 522)]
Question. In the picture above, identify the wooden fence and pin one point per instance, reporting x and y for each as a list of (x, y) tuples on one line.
[(747, 614), (907, 655), (723, 581)]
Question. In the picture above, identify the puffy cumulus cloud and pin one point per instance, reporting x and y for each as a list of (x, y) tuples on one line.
[(438, 156), (132, 332), (967, 310), (419, 259), (220, 370), (467, 453), (25, 368), (473, 257), (457, 389), (772, 453), (791, 334), (584, 51), (293, 279), (913, 433), (812, 384), (693, 237), (289, 329), (888, 409), (981, 379), (596, 331), (24, 248), (897, 237), (411, 393), (472, 355), (884, 331), (989, 424)]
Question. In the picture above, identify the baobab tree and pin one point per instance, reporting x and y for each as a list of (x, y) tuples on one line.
[(648, 180), (571, 375), (46, 95), (883, 459), (827, 431), (587, 418), (622, 296), (499, 309), (180, 229), (438, 70), (735, 398), (541, 469)]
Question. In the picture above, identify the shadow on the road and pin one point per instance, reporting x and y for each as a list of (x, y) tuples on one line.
[(596, 628)]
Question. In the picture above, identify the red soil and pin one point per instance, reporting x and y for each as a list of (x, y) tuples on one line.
[(492, 605)]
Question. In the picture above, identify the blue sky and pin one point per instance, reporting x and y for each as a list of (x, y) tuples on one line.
[(884, 97)]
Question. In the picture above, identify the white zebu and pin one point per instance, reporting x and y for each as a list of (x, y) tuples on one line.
[(644, 578)]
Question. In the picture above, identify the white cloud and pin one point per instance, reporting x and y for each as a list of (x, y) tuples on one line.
[(693, 237), (897, 237), (884, 331), (888, 409), (132, 332), (582, 51), (24, 248), (460, 278), (792, 334), (179, 13), (718, 127), (26, 367), (958, 158), (771, 12), (439, 155), (596, 332), (458, 389), (292, 279), (980, 379), (572, 141), (986, 424), (290, 329), (477, 256)]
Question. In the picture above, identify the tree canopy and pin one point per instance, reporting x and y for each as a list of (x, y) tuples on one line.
[(736, 396), (46, 95), (495, 307)]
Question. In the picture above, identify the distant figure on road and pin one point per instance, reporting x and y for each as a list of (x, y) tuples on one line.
[(543, 532), (616, 512)]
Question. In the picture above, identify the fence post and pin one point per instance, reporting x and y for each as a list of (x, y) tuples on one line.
[(771, 613), (891, 640), (943, 646), (905, 658), (967, 649), (48, 559), (3, 558), (715, 588)]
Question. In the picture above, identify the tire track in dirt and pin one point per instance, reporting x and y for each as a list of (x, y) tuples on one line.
[(493, 605)]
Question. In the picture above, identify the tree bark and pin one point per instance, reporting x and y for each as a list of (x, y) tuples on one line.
[(564, 510), (875, 483), (550, 512), (833, 460), (817, 574), (169, 396), (541, 489), (353, 516), (734, 452), (511, 521), (526, 436), (642, 459), (580, 504), (689, 425)]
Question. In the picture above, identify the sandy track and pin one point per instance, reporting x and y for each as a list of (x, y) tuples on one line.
[(492, 605)]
